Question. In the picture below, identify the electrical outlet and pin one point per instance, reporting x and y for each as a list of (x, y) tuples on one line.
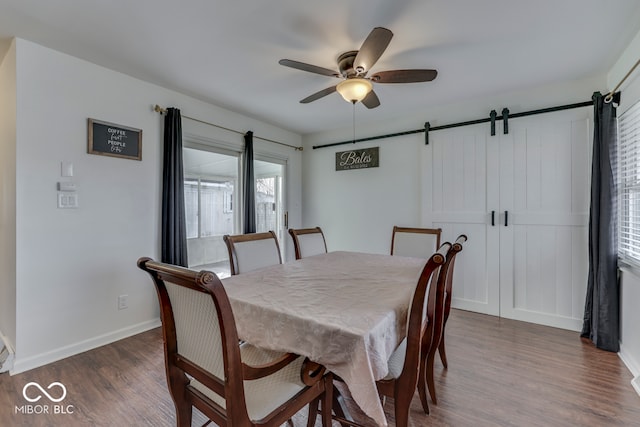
[(122, 302)]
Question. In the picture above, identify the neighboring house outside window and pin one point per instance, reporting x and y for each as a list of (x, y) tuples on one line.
[(208, 207)]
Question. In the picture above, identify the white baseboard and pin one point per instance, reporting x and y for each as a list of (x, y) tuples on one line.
[(23, 365), (633, 365), (636, 384)]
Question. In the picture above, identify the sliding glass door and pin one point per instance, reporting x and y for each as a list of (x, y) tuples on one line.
[(213, 203), (211, 194), (269, 179)]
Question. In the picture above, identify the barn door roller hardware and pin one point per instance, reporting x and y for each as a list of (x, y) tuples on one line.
[(493, 117)]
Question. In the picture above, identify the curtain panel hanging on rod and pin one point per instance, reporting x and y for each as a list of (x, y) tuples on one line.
[(248, 184), (174, 226)]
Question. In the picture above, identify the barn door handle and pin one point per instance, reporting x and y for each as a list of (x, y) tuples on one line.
[(493, 218), (506, 218)]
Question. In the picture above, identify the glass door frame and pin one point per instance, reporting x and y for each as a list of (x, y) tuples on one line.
[(281, 195)]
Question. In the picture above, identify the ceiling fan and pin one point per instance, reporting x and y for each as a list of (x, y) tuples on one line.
[(353, 67)]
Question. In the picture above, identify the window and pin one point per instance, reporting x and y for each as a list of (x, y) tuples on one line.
[(208, 207), (191, 207), (629, 187)]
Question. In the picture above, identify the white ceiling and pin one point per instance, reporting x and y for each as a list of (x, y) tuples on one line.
[(227, 52)]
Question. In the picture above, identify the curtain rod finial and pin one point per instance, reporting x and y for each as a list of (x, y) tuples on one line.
[(159, 109)]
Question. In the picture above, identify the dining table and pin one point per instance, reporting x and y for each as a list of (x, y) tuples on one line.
[(344, 310)]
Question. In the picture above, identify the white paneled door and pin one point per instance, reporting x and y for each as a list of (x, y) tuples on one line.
[(523, 200), (460, 205)]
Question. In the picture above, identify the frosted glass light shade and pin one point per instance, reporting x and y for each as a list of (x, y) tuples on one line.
[(354, 89)]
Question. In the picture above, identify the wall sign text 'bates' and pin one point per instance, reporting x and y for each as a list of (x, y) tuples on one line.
[(357, 159)]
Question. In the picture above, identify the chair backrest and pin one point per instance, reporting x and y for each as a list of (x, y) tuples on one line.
[(437, 299), (200, 336), (417, 317), (308, 241), (249, 252), (415, 242), (457, 245)]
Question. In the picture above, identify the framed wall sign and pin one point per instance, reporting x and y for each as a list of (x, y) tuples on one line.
[(110, 139), (357, 159)]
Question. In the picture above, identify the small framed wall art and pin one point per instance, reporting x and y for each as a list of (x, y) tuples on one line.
[(110, 139), (358, 159)]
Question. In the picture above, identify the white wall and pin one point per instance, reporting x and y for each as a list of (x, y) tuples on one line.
[(358, 208), (71, 264), (630, 282), (8, 193)]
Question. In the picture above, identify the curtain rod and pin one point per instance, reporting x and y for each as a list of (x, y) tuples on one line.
[(492, 119), (609, 96), (161, 110)]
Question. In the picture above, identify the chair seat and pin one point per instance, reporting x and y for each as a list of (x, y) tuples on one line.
[(266, 394), (396, 361)]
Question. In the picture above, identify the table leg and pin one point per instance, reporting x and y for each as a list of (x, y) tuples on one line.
[(342, 414)]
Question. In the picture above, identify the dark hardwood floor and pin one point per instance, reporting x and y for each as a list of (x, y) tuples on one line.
[(501, 373)]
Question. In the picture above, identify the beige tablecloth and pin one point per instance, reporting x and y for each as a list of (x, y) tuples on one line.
[(345, 310)]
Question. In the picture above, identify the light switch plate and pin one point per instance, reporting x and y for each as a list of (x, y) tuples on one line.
[(67, 200), (66, 169)]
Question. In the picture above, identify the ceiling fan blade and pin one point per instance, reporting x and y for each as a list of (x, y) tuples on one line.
[(372, 48), (371, 100), (318, 95), (308, 67), (404, 76)]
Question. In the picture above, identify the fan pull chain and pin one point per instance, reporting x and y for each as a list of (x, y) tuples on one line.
[(354, 122)]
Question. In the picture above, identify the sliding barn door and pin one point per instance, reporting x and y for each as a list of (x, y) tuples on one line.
[(544, 193), (462, 160), (523, 201)]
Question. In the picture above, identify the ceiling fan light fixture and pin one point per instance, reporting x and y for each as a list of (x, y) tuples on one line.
[(354, 89)]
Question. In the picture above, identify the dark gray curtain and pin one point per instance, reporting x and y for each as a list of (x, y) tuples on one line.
[(174, 228), (249, 186), (602, 307)]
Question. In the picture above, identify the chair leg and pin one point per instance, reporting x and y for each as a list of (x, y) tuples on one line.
[(339, 408), (429, 375), (313, 413), (327, 402), (443, 353), (401, 407), (422, 386), (184, 413)]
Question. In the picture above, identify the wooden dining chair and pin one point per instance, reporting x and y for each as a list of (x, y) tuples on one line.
[(404, 363), (232, 384), (308, 241), (435, 325), (415, 242), (252, 251), (447, 300)]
